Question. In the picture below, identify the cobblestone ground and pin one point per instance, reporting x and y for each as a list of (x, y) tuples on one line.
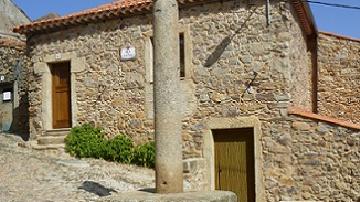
[(28, 175)]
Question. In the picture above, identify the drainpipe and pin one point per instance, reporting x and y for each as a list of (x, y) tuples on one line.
[(315, 71), (267, 12)]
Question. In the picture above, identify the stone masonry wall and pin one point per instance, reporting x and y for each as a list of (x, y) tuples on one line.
[(10, 16), (11, 53), (109, 93), (229, 42), (223, 90), (114, 91), (14, 67), (339, 77), (321, 161), (299, 72)]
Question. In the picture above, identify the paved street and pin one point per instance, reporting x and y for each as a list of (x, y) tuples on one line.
[(27, 175)]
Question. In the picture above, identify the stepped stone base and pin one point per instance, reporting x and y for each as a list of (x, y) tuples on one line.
[(214, 196), (52, 140), (49, 147), (57, 132)]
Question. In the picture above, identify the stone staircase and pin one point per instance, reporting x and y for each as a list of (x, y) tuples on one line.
[(52, 140)]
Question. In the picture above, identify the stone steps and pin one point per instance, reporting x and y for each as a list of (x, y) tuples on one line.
[(45, 140), (49, 147), (57, 132), (52, 140)]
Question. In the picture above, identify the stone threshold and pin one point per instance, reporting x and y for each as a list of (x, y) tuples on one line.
[(297, 111)]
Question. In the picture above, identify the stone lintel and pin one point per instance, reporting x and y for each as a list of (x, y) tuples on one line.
[(77, 63)]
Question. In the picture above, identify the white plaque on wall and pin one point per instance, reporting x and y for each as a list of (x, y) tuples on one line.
[(128, 53), (6, 96), (58, 56)]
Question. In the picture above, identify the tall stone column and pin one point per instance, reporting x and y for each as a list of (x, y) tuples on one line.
[(169, 170)]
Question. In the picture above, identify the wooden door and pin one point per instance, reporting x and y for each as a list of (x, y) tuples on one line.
[(235, 162), (61, 95)]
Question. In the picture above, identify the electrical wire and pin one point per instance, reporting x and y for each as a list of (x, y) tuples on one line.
[(333, 4)]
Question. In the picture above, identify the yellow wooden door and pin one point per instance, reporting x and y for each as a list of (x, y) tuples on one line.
[(234, 162)]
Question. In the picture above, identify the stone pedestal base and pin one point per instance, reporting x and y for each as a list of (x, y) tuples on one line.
[(141, 196)]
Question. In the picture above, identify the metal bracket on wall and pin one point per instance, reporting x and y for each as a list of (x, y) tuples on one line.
[(267, 12), (17, 70)]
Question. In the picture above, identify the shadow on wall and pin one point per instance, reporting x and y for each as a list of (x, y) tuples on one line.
[(22, 111), (219, 50), (20, 119), (20, 124)]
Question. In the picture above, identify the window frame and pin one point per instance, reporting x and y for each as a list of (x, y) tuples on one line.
[(187, 54), (10, 90)]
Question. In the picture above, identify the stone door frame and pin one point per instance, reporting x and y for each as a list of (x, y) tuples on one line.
[(234, 123), (77, 64)]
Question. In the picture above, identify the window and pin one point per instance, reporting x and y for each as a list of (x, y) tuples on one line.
[(151, 62), (185, 46), (7, 95), (149, 59), (182, 55)]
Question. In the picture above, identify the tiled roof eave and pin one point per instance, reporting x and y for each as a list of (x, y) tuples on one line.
[(340, 37), (135, 7), (82, 18), (12, 43), (296, 111), (305, 17)]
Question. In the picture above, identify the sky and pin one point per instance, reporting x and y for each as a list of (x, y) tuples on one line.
[(329, 19)]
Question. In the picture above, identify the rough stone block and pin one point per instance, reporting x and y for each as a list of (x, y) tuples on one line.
[(301, 125), (215, 196)]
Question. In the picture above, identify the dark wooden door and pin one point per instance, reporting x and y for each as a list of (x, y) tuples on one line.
[(61, 95), (234, 162)]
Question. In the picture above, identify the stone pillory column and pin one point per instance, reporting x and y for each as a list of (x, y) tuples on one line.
[(169, 170)]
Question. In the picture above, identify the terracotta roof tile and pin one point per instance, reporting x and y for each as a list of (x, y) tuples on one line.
[(12, 43), (104, 11), (307, 114), (127, 7), (339, 36)]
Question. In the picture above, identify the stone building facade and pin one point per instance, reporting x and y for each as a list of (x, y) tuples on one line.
[(239, 73), (323, 154), (13, 71), (339, 76), (10, 16), (117, 90), (14, 102)]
